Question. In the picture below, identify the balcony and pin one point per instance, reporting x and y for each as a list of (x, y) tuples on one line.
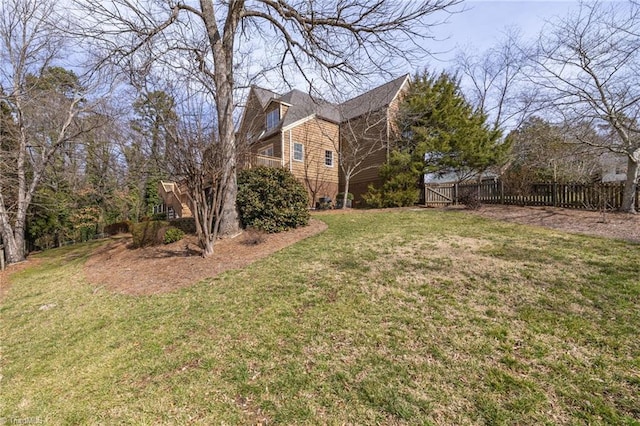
[(257, 160)]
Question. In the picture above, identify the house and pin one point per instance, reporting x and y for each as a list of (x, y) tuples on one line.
[(613, 167), (175, 200), (309, 137)]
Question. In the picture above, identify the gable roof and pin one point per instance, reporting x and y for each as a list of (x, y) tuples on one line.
[(302, 105), (372, 100), (264, 95)]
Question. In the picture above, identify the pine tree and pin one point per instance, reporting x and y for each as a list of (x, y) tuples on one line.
[(441, 133), (442, 127)]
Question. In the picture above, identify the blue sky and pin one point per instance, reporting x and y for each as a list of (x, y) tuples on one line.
[(482, 24)]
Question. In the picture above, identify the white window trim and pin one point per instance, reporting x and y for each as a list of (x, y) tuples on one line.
[(294, 152), (325, 158), (276, 113)]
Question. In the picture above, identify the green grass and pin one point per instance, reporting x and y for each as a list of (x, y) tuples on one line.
[(402, 317)]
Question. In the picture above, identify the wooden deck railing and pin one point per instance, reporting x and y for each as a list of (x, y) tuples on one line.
[(257, 160)]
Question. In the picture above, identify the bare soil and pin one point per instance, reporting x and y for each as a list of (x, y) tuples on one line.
[(616, 225), (161, 269)]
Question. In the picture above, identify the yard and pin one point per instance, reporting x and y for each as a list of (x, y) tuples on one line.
[(392, 317)]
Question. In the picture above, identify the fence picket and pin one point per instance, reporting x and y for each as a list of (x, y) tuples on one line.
[(567, 195)]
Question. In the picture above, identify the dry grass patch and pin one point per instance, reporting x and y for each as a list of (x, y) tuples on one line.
[(395, 317)]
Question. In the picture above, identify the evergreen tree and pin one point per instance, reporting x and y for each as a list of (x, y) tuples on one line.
[(440, 126), (149, 159), (440, 133)]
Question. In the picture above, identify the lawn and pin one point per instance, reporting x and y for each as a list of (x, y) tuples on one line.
[(401, 317)]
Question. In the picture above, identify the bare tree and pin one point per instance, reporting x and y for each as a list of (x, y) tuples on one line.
[(588, 64), (497, 82), (364, 145), (44, 112), (318, 177), (197, 159), (353, 38), (543, 152)]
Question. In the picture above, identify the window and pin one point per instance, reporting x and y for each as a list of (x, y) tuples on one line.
[(328, 158), (267, 152), (298, 151), (273, 118)]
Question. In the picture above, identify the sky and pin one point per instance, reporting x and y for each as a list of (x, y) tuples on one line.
[(477, 25), (482, 23)]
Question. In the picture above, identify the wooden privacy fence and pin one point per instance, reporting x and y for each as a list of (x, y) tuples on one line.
[(568, 195)]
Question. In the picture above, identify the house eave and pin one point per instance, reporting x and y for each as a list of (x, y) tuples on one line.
[(299, 122)]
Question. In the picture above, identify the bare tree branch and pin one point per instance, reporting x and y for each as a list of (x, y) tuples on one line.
[(587, 65)]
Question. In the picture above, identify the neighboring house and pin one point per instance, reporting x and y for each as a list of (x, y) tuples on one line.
[(452, 178), (613, 166), (309, 136)]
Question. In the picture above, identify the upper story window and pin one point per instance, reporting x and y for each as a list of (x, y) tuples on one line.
[(298, 151), (273, 118), (328, 158)]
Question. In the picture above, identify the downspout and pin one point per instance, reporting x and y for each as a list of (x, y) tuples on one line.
[(281, 135), (290, 152), (282, 148)]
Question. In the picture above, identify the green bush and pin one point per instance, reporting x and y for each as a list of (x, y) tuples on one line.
[(159, 216), (149, 233), (400, 183), (271, 200), (340, 196), (172, 235), (118, 228), (185, 224)]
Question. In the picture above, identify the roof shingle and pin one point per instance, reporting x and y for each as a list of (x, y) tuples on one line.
[(303, 105)]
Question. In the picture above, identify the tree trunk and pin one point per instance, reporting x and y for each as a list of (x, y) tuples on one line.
[(208, 247), (222, 46), (629, 194), (13, 241), (13, 247), (346, 193), (230, 221)]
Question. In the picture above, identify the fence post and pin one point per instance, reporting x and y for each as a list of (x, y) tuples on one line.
[(455, 193), (554, 194)]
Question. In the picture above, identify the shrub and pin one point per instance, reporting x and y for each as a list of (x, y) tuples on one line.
[(159, 216), (149, 233), (271, 200), (118, 228), (469, 198), (172, 235), (340, 196), (400, 178), (185, 224)]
